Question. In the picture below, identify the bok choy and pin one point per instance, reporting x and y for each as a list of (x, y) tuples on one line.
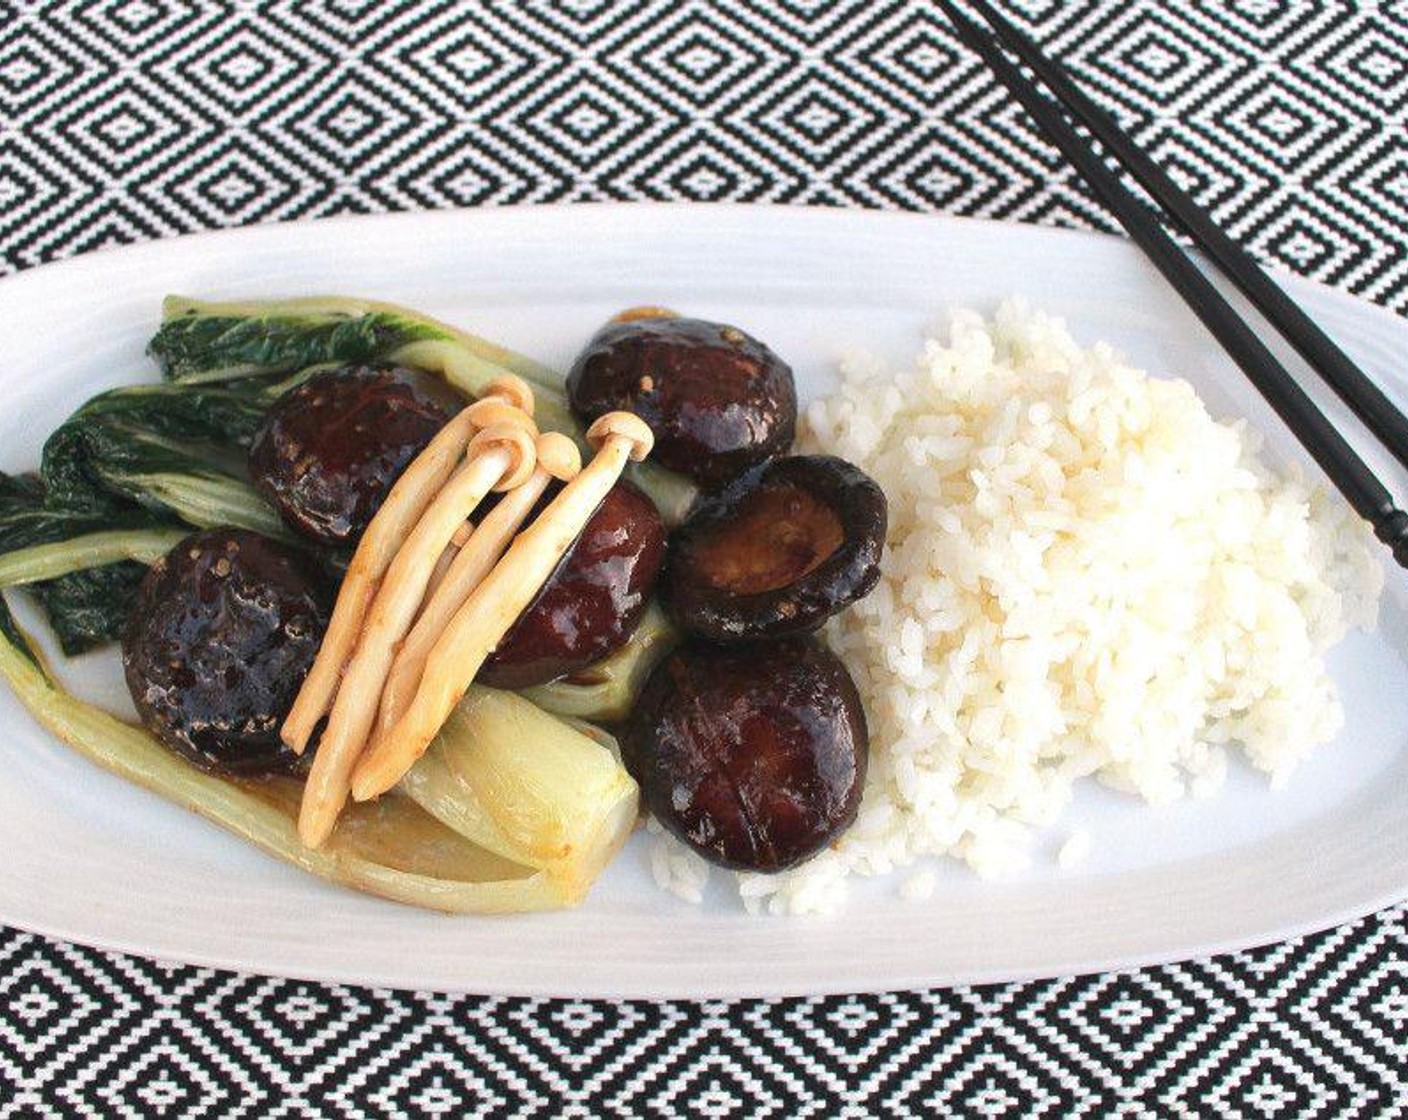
[(528, 786), (83, 564), (607, 690), (175, 450), (200, 342), (121, 481)]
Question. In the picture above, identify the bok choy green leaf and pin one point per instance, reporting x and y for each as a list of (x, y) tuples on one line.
[(28, 521), (201, 341), (79, 562), (122, 480), (223, 342), (176, 451), (89, 608)]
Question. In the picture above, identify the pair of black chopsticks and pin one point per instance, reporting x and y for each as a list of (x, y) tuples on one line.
[(1369, 497)]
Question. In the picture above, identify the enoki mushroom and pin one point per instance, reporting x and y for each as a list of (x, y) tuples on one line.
[(408, 499), (462, 534), (491, 609), (500, 457), (558, 458), (434, 591)]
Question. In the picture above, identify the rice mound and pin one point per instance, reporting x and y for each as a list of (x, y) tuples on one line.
[(1086, 575)]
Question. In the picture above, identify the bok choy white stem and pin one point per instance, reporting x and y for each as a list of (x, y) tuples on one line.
[(393, 848)]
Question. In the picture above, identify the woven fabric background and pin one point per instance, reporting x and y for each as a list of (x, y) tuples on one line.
[(122, 120)]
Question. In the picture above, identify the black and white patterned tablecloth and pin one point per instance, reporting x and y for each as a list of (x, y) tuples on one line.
[(122, 120)]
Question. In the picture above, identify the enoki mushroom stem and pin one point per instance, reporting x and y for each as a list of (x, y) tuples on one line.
[(558, 458), (442, 565), (407, 500), (498, 457), (491, 609), (386, 533)]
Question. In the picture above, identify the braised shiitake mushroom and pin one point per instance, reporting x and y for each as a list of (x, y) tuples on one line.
[(717, 399), (331, 448), (778, 552), (591, 604), (223, 632), (752, 755)]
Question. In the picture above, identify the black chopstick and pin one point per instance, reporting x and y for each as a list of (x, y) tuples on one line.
[(1364, 492), (1321, 352)]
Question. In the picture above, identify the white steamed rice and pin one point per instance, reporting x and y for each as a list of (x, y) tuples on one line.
[(1086, 575)]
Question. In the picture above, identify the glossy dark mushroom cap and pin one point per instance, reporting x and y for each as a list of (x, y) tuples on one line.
[(592, 602), (331, 448), (225, 628), (754, 756), (717, 400), (778, 552)]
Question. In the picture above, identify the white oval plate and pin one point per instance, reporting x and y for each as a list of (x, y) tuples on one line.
[(90, 858)]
